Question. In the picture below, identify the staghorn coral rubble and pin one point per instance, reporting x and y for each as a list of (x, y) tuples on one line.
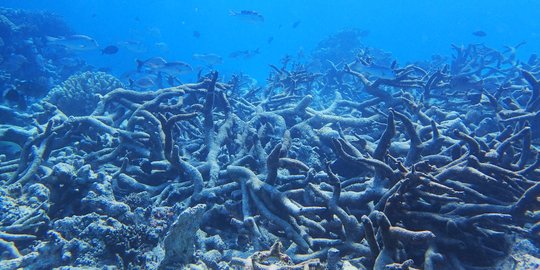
[(432, 169)]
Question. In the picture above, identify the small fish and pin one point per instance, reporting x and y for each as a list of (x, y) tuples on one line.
[(162, 46), (465, 83), (248, 16), (208, 58), (69, 62), (479, 33), (176, 68), (75, 42), (153, 63), (246, 54), (295, 24), (196, 34), (33, 88), (144, 82), (270, 39), (371, 69), (111, 49), (154, 32), (133, 46)]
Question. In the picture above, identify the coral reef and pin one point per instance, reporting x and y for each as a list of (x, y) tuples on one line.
[(433, 168), (80, 93)]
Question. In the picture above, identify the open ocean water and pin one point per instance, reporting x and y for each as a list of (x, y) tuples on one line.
[(269, 134)]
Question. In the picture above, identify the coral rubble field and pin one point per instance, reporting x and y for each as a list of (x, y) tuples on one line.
[(433, 167)]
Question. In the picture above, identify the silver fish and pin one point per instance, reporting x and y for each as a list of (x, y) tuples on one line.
[(374, 70), (162, 46), (208, 58), (75, 42), (152, 64), (133, 46), (144, 82), (154, 32), (176, 68), (69, 62), (249, 16), (246, 54)]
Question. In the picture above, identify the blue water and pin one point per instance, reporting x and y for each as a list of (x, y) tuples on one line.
[(410, 30), (373, 162)]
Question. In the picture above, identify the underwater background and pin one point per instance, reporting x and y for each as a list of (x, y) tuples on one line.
[(269, 134), (410, 30)]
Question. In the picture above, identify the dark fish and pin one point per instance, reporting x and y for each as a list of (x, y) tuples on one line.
[(14, 97), (111, 49), (479, 33), (196, 34), (93, 15), (34, 88), (270, 39), (295, 24)]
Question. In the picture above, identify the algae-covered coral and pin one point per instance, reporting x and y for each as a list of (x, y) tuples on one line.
[(80, 93)]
